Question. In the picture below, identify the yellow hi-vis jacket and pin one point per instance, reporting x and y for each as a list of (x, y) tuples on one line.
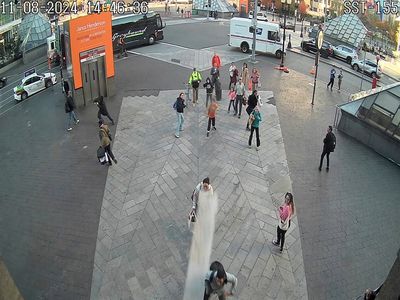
[(195, 76)]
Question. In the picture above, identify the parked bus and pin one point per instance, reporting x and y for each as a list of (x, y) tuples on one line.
[(138, 29), (268, 36)]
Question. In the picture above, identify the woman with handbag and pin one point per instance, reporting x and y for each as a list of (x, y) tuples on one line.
[(286, 212), (105, 139)]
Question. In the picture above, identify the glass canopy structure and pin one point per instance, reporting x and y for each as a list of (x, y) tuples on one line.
[(373, 117), (34, 31), (348, 29)]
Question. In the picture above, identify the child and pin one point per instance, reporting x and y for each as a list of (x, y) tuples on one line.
[(231, 97), (212, 111)]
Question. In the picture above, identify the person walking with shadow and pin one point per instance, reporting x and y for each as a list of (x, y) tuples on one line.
[(329, 146), (340, 78), (212, 112), (105, 140), (122, 46), (101, 104)]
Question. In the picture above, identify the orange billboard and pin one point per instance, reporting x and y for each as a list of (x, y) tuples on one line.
[(88, 33)]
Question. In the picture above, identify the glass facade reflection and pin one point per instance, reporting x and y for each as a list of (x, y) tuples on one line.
[(380, 108)]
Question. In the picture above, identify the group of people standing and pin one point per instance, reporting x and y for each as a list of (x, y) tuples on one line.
[(240, 84)]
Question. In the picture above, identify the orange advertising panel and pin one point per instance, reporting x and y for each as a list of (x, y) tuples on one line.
[(244, 3), (87, 34)]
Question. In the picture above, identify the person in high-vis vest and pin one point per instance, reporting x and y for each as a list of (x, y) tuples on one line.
[(194, 81)]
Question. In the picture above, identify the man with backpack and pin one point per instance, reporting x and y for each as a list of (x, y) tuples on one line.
[(215, 282), (194, 81), (329, 146)]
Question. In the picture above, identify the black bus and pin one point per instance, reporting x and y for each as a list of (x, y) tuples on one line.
[(138, 29)]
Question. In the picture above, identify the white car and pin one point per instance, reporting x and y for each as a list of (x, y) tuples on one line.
[(369, 67), (32, 84), (346, 53), (261, 16)]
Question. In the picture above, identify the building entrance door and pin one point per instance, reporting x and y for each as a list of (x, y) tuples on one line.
[(93, 78)]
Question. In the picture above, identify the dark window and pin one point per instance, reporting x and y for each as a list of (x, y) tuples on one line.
[(258, 31), (35, 79), (28, 82), (273, 35)]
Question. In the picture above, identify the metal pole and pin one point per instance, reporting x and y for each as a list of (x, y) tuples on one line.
[(295, 17), (253, 51), (362, 77), (301, 33), (284, 36), (315, 76)]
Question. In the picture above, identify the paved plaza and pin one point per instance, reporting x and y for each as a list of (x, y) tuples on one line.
[(144, 241), (73, 229)]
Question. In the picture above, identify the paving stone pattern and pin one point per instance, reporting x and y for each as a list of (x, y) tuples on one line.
[(143, 239), (190, 58)]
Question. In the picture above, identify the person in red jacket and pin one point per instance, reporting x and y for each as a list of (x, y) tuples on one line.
[(216, 61), (374, 81)]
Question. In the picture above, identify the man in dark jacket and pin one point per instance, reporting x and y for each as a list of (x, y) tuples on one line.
[(69, 109), (179, 106), (329, 146), (103, 109), (251, 104)]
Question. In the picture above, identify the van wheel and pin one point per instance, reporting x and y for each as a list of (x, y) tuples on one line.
[(244, 47), (348, 60), (355, 67), (278, 54), (48, 84), (152, 39)]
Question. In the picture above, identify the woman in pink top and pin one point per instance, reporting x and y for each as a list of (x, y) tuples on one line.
[(231, 97), (255, 77), (286, 212)]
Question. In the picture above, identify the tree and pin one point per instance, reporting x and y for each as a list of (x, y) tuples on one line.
[(303, 9)]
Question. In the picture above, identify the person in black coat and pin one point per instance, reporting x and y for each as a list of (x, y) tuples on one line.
[(103, 109), (329, 146), (251, 104), (209, 90)]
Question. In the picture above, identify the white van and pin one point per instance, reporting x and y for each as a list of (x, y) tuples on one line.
[(268, 36)]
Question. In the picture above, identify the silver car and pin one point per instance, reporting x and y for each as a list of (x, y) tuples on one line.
[(346, 53), (369, 67)]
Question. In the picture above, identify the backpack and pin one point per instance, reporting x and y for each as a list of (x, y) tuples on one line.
[(175, 105)]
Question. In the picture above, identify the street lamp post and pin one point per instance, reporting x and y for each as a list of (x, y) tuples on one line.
[(253, 51), (295, 14), (273, 10), (302, 19), (285, 7), (319, 40)]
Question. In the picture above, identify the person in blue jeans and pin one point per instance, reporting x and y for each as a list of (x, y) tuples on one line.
[(179, 106), (69, 109)]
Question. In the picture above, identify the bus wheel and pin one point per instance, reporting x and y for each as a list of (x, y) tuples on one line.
[(152, 39), (278, 54), (244, 47)]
